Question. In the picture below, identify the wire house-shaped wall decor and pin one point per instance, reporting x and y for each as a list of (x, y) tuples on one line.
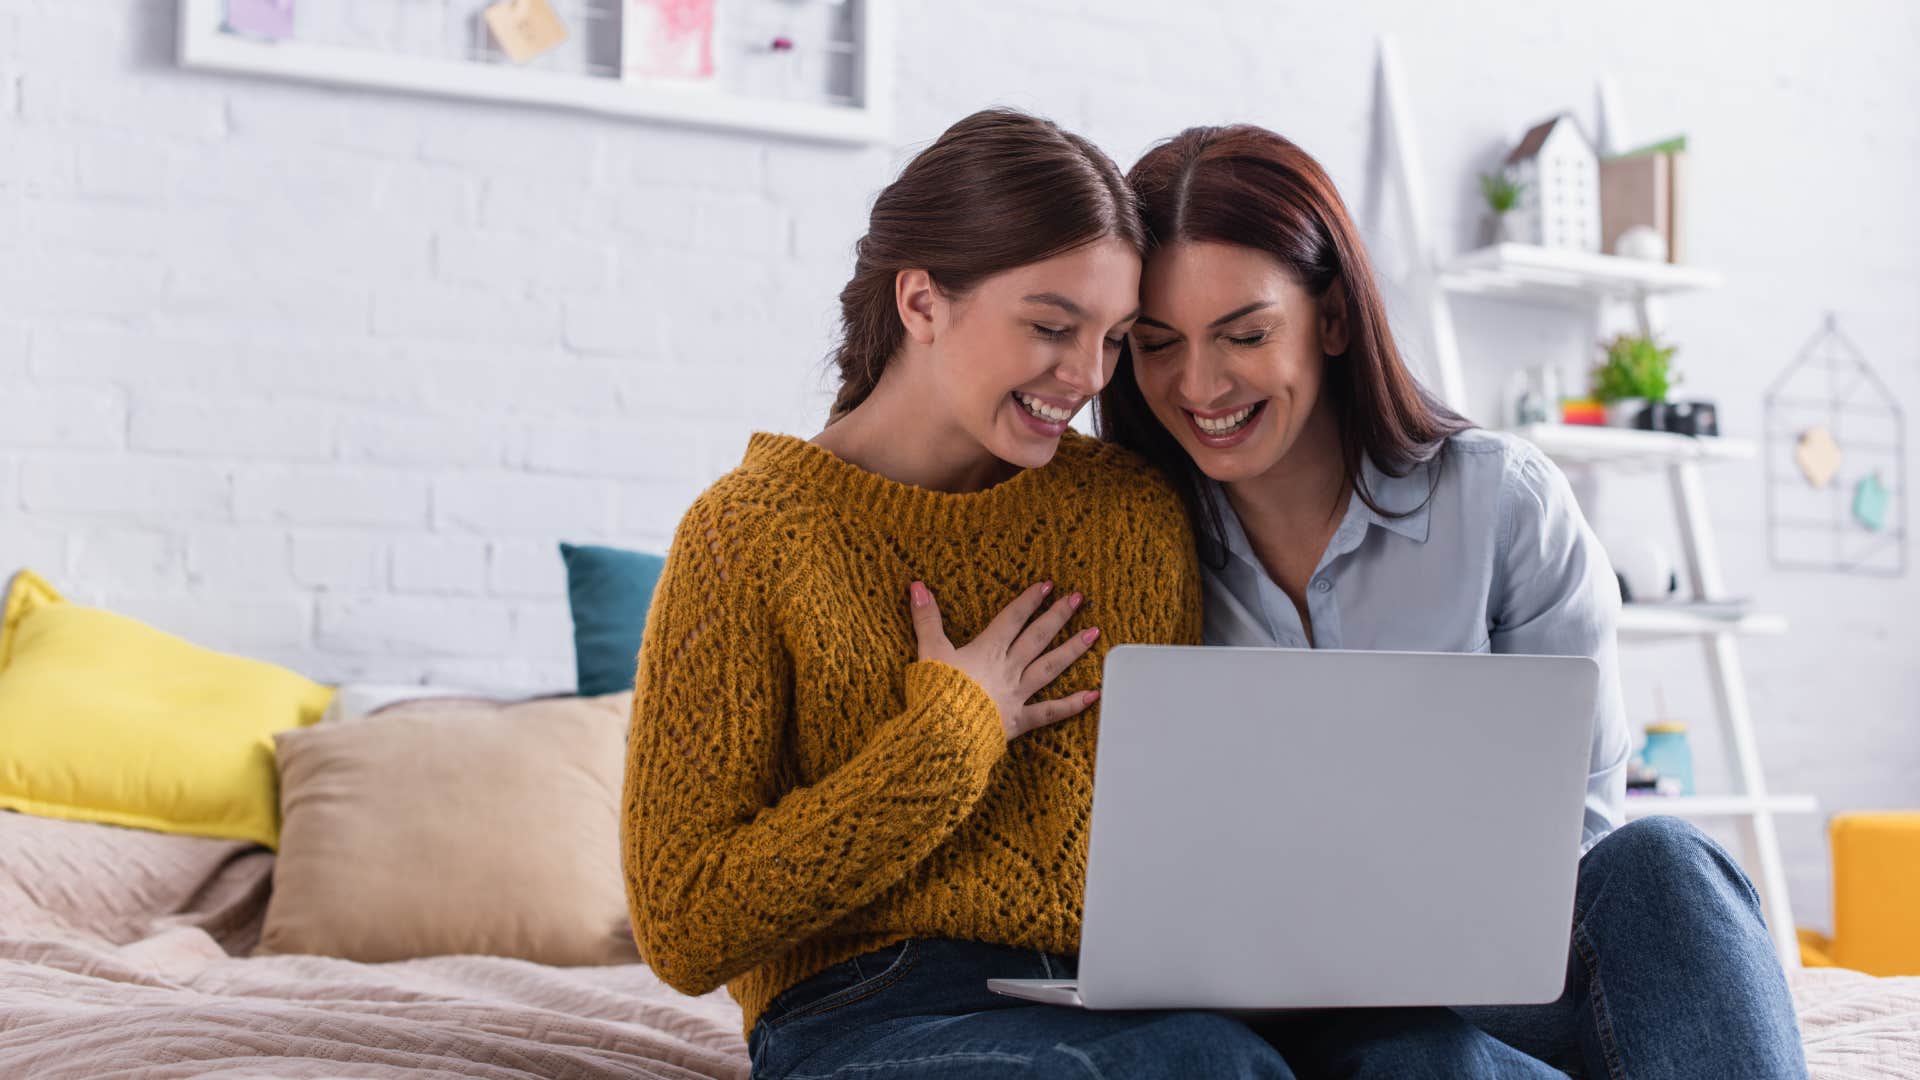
[(1836, 457)]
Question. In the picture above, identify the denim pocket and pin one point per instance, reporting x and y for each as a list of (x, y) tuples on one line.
[(888, 966)]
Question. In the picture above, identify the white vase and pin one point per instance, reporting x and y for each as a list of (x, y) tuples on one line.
[(1641, 242), (1509, 229)]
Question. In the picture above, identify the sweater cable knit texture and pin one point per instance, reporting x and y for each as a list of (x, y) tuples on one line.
[(799, 788)]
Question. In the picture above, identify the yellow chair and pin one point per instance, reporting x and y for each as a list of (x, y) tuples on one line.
[(1876, 895)]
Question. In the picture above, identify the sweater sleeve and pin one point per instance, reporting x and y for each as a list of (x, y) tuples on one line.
[(1176, 551), (1166, 543), (728, 864)]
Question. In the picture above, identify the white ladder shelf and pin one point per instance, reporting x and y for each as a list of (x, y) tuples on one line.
[(1581, 280)]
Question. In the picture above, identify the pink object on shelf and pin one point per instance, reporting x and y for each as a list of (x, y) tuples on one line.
[(667, 39), (261, 18)]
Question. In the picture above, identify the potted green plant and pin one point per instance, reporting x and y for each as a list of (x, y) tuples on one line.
[(1502, 194), (1633, 381)]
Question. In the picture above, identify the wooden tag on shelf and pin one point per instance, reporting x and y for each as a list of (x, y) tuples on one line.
[(525, 28)]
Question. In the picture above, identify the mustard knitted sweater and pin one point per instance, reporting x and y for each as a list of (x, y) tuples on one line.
[(799, 788)]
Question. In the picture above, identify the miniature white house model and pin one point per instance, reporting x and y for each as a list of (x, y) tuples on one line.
[(1559, 203)]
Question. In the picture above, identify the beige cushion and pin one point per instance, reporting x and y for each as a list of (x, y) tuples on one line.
[(455, 826)]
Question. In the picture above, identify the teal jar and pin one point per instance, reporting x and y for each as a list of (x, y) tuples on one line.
[(1667, 753)]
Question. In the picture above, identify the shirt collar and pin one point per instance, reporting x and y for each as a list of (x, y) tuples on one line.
[(1406, 496)]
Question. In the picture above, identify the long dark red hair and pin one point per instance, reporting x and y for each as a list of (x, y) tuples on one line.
[(1247, 186)]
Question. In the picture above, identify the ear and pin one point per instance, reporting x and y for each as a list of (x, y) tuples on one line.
[(914, 296), (1332, 318)]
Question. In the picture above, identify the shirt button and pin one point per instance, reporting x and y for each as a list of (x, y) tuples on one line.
[(1323, 585)]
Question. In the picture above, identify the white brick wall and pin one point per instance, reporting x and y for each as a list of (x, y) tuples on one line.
[(344, 562), (324, 376), (439, 564)]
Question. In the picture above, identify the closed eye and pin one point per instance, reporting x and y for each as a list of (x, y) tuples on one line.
[(1249, 339), (1053, 333)]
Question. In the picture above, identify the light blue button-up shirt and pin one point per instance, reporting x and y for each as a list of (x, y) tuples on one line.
[(1500, 559)]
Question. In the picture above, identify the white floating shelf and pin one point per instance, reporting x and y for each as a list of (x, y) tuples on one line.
[(1653, 622), (1582, 444), (1639, 806), (204, 43), (1553, 275)]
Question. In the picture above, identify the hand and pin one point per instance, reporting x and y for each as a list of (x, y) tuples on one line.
[(1008, 659)]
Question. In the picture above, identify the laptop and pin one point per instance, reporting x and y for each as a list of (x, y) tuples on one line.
[(1303, 828)]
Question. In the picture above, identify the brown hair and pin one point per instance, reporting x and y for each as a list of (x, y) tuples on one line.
[(997, 190), (1247, 186)]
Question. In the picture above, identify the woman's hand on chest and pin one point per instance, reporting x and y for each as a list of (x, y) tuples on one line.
[(1010, 658)]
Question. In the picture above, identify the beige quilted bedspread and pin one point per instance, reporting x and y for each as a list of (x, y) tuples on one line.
[(1855, 1025), (177, 1006), (123, 954)]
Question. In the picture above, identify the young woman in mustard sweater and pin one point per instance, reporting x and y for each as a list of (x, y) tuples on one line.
[(861, 763)]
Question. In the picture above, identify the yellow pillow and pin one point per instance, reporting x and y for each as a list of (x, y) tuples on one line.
[(104, 718)]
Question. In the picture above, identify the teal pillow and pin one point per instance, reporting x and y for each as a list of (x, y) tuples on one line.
[(609, 590)]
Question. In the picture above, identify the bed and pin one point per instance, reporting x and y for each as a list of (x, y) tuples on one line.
[(125, 953)]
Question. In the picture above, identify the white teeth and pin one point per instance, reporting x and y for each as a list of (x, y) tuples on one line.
[(1225, 425), (1043, 410)]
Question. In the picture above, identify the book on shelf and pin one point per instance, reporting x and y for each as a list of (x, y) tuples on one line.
[(1646, 186)]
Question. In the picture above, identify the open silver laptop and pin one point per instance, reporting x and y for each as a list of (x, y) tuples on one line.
[(1282, 828)]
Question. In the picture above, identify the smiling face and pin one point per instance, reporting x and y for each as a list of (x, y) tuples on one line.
[(1024, 350), (1230, 351)]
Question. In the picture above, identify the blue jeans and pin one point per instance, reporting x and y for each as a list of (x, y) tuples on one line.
[(1670, 974), (921, 1008)]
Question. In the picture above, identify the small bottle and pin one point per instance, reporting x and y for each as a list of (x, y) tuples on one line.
[(1667, 752), (1524, 402), (1547, 385)]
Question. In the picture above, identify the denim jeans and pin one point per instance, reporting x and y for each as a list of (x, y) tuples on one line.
[(921, 1008), (1670, 974)]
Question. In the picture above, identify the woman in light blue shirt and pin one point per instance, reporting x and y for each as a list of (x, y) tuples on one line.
[(1338, 505)]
